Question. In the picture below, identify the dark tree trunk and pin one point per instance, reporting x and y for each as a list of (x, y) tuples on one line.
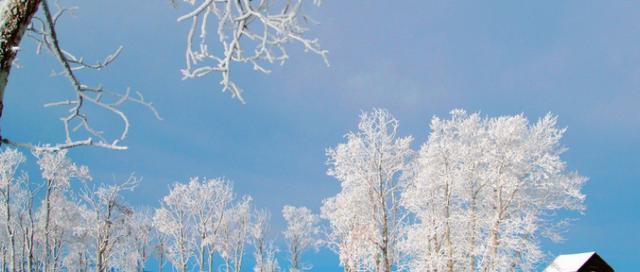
[(15, 16)]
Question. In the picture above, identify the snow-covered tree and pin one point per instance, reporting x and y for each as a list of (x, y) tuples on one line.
[(256, 33), (235, 234), (264, 252), (301, 234), (192, 220), (57, 171), (38, 241), (160, 248), (172, 221), (349, 234), (141, 225), (59, 236), (108, 222), (484, 190), (10, 160), (211, 200), (24, 198), (365, 217)]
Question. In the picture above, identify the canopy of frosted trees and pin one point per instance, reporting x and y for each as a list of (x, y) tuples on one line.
[(479, 195)]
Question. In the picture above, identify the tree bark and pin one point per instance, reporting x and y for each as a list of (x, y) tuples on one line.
[(161, 261), (9, 229), (4, 259), (202, 247), (386, 258), (211, 252), (47, 218), (15, 16)]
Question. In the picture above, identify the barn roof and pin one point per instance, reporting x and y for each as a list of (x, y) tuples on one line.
[(578, 262)]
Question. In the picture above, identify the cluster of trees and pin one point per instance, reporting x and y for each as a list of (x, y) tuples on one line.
[(52, 225), (479, 195)]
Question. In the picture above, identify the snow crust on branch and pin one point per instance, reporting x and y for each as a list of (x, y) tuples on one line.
[(43, 30), (251, 32)]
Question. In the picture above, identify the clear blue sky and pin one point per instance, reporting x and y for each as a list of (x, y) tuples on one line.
[(577, 59)]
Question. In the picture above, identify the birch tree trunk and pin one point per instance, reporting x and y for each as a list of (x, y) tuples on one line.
[(47, 219), (202, 247), (9, 229), (161, 260), (4, 259), (386, 262), (211, 252), (447, 214), (15, 16)]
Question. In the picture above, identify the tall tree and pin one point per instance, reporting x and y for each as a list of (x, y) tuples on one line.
[(172, 222), (108, 223), (234, 234), (57, 171), (64, 232), (264, 252), (141, 229), (10, 160), (192, 217), (209, 201), (366, 217), (300, 234)]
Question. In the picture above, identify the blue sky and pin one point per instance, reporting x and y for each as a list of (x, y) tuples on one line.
[(577, 59)]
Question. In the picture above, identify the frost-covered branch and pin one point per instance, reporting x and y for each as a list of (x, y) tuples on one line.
[(252, 32), (43, 30)]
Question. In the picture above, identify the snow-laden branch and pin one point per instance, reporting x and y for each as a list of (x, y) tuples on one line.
[(43, 30), (253, 32)]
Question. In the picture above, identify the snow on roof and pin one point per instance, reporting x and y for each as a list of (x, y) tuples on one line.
[(569, 262)]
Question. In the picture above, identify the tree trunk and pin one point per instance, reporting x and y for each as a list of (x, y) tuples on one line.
[(494, 234), (144, 259), (161, 261), (202, 248), (447, 228), (472, 239), (21, 263), (57, 249), (47, 216), (294, 259), (99, 263), (4, 258), (9, 229), (386, 262), (15, 16), (386, 258), (211, 260)]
